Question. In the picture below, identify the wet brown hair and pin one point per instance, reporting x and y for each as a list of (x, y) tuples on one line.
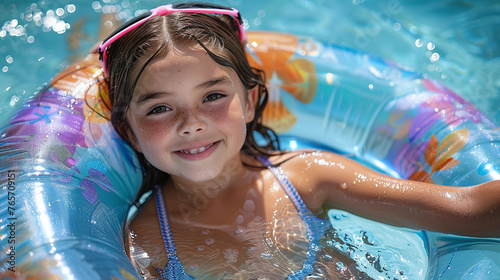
[(217, 34)]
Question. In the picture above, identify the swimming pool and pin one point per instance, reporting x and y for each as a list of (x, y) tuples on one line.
[(390, 29)]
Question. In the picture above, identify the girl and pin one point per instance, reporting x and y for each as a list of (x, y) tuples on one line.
[(225, 206)]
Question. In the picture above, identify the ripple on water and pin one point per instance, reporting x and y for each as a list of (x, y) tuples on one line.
[(369, 248)]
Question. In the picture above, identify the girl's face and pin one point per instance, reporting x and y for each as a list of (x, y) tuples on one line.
[(188, 114)]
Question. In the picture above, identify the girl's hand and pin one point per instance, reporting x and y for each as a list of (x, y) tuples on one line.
[(326, 178)]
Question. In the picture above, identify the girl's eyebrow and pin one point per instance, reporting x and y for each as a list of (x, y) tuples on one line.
[(214, 82), (150, 95), (210, 83)]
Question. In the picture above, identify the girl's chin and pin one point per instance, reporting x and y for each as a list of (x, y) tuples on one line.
[(202, 178), (214, 174)]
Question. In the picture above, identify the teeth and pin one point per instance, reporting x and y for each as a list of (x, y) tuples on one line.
[(195, 151)]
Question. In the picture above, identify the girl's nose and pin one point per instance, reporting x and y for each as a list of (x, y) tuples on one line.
[(191, 122)]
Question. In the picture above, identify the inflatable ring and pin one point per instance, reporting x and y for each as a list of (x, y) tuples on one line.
[(68, 179)]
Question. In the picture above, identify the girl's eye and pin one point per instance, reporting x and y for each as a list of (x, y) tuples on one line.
[(158, 110), (213, 97)]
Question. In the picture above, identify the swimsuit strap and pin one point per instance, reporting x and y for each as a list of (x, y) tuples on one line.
[(314, 225), (174, 268)]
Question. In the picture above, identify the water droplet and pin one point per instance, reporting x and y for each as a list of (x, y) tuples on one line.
[(205, 232), (266, 255), (249, 205), (240, 219), (257, 21), (239, 230), (209, 241), (434, 57), (430, 46), (60, 12), (419, 43), (70, 8), (193, 267)]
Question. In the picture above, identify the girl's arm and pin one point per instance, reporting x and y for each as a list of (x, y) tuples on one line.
[(327, 178)]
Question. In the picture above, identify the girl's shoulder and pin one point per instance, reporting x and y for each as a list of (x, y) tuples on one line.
[(300, 169), (313, 172)]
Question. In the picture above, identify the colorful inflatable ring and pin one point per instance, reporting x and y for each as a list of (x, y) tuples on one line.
[(68, 179)]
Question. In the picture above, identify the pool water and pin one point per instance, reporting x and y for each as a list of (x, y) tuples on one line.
[(454, 42)]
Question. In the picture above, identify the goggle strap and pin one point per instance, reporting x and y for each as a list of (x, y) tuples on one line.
[(193, 7), (130, 23)]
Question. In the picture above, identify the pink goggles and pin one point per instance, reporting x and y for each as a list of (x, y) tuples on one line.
[(193, 7)]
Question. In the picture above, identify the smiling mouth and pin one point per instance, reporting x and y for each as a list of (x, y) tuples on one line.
[(197, 150)]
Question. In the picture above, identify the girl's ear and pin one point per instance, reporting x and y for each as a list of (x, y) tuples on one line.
[(253, 95), (128, 136)]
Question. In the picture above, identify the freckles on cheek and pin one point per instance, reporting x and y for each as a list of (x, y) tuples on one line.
[(229, 113), (152, 131), (218, 114), (224, 118)]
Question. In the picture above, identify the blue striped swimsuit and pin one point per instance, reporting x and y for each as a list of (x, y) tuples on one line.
[(315, 229)]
